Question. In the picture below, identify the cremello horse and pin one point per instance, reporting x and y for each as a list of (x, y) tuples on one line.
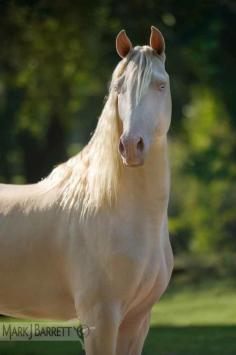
[(91, 240)]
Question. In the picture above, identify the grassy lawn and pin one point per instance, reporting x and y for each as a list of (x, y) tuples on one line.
[(194, 320)]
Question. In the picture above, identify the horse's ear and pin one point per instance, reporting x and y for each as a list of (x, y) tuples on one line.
[(157, 41), (123, 44)]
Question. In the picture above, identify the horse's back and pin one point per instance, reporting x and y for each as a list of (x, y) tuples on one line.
[(26, 209), (24, 197), (16, 192)]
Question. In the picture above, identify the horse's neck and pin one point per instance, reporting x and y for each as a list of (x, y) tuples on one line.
[(148, 185)]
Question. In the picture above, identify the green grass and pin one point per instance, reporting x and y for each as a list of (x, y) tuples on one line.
[(205, 303), (189, 320), (193, 320)]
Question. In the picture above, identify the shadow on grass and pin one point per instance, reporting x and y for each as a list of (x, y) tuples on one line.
[(164, 340), (192, 340)]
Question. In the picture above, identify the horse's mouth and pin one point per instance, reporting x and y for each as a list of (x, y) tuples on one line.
[(132, 164)]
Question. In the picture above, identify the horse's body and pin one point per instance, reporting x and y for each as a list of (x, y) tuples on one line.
[(32, 277), (90, 241)]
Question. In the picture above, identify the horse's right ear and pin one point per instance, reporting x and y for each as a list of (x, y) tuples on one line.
[(123, 44)]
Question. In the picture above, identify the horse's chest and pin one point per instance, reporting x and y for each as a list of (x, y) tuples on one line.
[(139, 270), (134, 272), (148, 285)]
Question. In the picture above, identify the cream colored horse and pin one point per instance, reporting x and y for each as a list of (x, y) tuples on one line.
[(91, 240)]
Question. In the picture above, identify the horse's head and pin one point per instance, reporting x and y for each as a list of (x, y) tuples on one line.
[(144, 100)]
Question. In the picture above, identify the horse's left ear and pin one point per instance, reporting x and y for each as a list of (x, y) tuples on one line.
[(157, 41)]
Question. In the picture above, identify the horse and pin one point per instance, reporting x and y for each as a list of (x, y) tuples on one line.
[(90, 241)]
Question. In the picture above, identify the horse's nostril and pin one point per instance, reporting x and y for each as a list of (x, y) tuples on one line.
[(121, 148), (140, 145)]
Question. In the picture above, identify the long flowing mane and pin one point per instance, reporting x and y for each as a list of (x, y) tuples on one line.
[(91, 179)]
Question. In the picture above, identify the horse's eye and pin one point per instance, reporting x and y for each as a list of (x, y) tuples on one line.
[(161, 87)]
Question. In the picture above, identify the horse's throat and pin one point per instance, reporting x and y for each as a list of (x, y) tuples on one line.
[(148, 184)]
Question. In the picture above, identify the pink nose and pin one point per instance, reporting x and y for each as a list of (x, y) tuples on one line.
[(132, 150)]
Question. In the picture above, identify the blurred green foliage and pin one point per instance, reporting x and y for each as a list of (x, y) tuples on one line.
[(55, 61), (204, 192)]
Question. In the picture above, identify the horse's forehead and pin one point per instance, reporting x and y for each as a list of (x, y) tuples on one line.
[(158, 64), (158, 71)]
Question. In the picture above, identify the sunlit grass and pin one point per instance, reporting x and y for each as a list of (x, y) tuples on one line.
[(201, 304)]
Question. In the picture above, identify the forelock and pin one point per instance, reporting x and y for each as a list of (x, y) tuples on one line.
[(137, 70)]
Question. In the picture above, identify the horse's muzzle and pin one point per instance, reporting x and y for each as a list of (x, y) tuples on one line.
[(132, 149)]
